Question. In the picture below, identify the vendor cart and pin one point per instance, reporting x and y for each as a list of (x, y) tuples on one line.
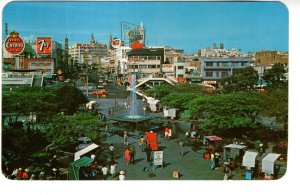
[(234, 151), (211, 142)]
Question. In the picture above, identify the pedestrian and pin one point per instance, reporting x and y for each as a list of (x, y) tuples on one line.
[(148, 153), (127, 155), (142, 143), (170, 134), (25, 174), (55, 173), (122, 176), (181, 144), (113, 166), (166, 132), (125, 139), (217, 155), (271, 126), (19, 174), (111, 151), (132, 154), (212, 161), (104, 172)]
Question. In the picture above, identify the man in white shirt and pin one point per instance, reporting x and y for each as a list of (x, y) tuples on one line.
[(104, 172)]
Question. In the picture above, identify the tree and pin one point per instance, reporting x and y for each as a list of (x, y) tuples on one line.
[(62, 129), (241, 80), (225, 111), (275, 75)]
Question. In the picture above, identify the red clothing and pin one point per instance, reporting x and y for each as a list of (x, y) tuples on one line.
[(166, 129), (25, 176)]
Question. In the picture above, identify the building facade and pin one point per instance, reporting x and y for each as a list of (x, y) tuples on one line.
[(269, 58), (146, 61), (84, 53), (214, 69)]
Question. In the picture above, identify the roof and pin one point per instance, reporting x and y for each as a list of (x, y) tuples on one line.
[(226, 59), (213, 138), (268, 162), (249, 159), (235, 146), (84, 151)]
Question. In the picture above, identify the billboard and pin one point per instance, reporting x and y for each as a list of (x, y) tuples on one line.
[(44, 45), (167, 68), (158, 157), (116, 43), (14, 44)]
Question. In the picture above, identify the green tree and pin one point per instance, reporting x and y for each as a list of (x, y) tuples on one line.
[(241, 80), (225, 111), (62, 129), (275, 75)]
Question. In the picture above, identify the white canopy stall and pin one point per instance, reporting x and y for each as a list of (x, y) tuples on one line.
[(84, 151), (249, 159), (268, 163), (233, 150)]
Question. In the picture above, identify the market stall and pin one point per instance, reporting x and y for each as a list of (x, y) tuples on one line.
[(234, 151), (75, 167), (85, 150), (211, 142), (268, 163), (249, 160)]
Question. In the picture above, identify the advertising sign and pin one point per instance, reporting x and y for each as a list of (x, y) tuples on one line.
[(14, 44), (167, 68), (116, 43), (44, 45), (158, 157), (137, 45)]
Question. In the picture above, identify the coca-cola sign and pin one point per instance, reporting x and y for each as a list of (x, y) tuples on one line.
[(14, 44)]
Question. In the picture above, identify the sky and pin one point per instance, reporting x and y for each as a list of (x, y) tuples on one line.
[(249, 26)]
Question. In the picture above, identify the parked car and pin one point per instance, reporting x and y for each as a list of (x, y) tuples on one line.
[(102, 92)]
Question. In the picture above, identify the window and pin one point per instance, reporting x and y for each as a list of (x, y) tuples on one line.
[(218, 74), (158, 57), (180, 75), (209, 64), (151, 66), (209, 74), (218, 64), (224, 74), (143, 66), (151, 57), (180, 67)]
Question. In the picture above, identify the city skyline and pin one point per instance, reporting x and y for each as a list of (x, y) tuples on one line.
[(249, 26)]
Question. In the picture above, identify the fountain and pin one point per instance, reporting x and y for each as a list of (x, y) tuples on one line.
[(135, 120)]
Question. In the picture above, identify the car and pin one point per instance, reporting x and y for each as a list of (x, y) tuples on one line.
[(100, 92)]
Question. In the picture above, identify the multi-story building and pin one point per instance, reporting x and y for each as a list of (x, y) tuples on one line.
[(84, 53), (121, 59), (220, 52), (146, 61), (269, 58), (214, 69), (19, 64)]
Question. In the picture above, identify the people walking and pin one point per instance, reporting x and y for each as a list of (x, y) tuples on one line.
[(166, 132), (132, 154), (148, 151), (104, 172), (169, 134), (127, 156), (111, 151), (217, 155), (113, 166), (125, 139), (181, 145), (122, 175), (142, 143), (212, 161)]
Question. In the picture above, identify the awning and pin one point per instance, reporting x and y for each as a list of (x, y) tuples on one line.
[(249, 159), (75, 166), (268, 162), (235, 146), (213, 138), (84, 151)]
